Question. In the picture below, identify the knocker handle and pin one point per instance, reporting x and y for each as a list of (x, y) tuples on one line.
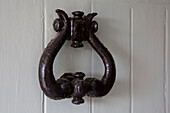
[(77, 29)]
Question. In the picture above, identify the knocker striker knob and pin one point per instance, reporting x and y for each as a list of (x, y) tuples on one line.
[(77, 29)]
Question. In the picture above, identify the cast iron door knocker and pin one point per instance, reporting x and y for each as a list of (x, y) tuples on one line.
[(77, 29)]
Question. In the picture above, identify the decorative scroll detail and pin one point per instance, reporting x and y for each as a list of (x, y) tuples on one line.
[(77, 29)]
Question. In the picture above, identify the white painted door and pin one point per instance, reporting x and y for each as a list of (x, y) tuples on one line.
[(136, 32)]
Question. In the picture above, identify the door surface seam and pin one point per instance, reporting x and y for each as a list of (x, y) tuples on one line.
[(131, 60), (43, 46)]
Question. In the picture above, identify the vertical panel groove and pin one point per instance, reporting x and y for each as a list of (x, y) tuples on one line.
[(43, 46), (91, 5), (166, 63), (42, 103), (131, 60)]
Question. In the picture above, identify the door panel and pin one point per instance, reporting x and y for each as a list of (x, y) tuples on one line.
[(21, 29), (148, 58), (135, 32)]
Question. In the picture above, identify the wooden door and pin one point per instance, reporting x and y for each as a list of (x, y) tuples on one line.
[(136, 32)]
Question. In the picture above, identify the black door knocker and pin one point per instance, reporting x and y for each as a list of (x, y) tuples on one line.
[(77, 29)]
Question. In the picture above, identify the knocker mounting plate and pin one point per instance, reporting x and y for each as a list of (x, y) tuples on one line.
[(77, 29)]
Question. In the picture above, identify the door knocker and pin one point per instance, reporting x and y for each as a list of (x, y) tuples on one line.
[(77, 29)]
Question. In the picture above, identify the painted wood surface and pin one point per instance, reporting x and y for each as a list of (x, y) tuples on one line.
[(135, 32), (21, 29), (148, 58)]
